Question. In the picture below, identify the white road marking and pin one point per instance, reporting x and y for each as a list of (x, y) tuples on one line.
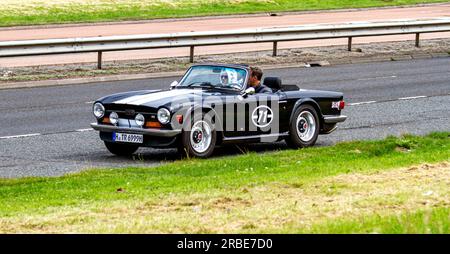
[(83, 130), (21, 136), (89, 102), (40, 134), (90, 129), (361, 103), (362, 79), (412, 97), (403, 98)]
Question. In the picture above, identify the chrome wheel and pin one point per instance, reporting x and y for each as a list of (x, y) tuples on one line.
[(306, 126), (200, 136)]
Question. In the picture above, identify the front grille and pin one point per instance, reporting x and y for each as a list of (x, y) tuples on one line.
[(131, 114)]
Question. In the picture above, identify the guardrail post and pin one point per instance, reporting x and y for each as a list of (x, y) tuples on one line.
[(417, 40), (275, 46), (191, 55), (350, 43), (99, 60)]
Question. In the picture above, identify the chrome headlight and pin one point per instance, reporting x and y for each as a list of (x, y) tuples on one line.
[(98, 110), (140, 120), (113, 118), (163, 115)]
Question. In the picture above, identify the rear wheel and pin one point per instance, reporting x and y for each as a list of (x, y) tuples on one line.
[(304, 128), (200, 139), (121, 149)]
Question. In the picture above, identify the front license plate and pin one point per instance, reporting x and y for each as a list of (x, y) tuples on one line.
[(128, 138)]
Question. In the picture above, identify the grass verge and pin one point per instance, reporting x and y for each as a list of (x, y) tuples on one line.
[(428, 221), (349, 187), (32, 12)]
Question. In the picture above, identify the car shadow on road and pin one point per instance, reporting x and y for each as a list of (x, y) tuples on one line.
[(148, 156), (153, 155)]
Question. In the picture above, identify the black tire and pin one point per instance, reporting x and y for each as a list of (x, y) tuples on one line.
[(186, 145), (294, 140), (121, 149)]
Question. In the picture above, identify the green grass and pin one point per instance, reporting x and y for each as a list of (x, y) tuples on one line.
[(431, 221), (27, 12), (183, 185)]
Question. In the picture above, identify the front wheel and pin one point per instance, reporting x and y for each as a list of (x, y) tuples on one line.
[(304, 128), (200, 139), (121, 149)]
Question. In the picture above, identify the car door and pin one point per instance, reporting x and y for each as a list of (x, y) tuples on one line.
[(238, 112), (234, 116), (264, 113), (255, 115)]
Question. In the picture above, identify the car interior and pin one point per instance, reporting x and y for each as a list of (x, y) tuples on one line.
[(275, 84)]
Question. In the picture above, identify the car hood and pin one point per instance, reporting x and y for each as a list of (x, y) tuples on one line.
[(156, 98)]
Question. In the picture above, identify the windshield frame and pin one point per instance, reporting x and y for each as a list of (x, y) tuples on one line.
[(244, 86)]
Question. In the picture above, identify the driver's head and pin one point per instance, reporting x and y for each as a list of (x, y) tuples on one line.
[(224, 78), (255, 76)]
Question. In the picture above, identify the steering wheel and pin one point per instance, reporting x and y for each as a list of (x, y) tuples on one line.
[(235, 85)]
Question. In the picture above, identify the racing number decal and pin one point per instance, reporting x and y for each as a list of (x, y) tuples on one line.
[(262, 116)]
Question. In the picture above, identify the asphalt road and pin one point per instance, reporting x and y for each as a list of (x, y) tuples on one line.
[(45, 131)]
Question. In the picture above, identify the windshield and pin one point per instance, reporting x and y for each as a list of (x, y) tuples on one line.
[(214, 77)]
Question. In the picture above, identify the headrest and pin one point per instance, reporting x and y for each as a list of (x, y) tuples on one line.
[(273, 82)]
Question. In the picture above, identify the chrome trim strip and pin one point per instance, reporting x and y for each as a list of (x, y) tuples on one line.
[(255, 136), (334, 119), (151, 132), (124, 111)]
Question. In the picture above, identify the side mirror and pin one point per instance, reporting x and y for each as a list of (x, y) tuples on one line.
[(173, 84)]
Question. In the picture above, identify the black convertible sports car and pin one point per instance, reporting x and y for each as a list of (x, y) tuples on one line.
[(212, 105)]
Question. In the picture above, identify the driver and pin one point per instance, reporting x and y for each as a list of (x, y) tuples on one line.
[(229, 78), (255, 81), (224, 78)]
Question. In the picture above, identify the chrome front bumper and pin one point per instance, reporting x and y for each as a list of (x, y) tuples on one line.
[(150, 132), (334, 119)]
